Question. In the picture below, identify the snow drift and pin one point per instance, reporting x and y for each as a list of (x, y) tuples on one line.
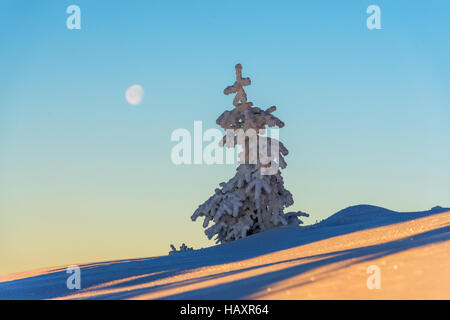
[(325, 260)]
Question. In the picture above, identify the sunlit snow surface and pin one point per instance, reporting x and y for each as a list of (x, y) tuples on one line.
[(327, 260)]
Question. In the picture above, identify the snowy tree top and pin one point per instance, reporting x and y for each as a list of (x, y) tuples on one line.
[(240, 100)]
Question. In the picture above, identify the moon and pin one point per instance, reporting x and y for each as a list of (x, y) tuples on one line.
[(134, 94)]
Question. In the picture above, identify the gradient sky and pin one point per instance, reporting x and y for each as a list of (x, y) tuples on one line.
[(84, 176)]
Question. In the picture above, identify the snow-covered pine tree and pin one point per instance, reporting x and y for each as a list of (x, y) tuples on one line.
[(254, 199)]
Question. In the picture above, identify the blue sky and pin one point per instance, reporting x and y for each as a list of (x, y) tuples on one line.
[(85, 176)]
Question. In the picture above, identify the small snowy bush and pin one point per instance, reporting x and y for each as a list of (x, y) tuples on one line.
[(183, 248)]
